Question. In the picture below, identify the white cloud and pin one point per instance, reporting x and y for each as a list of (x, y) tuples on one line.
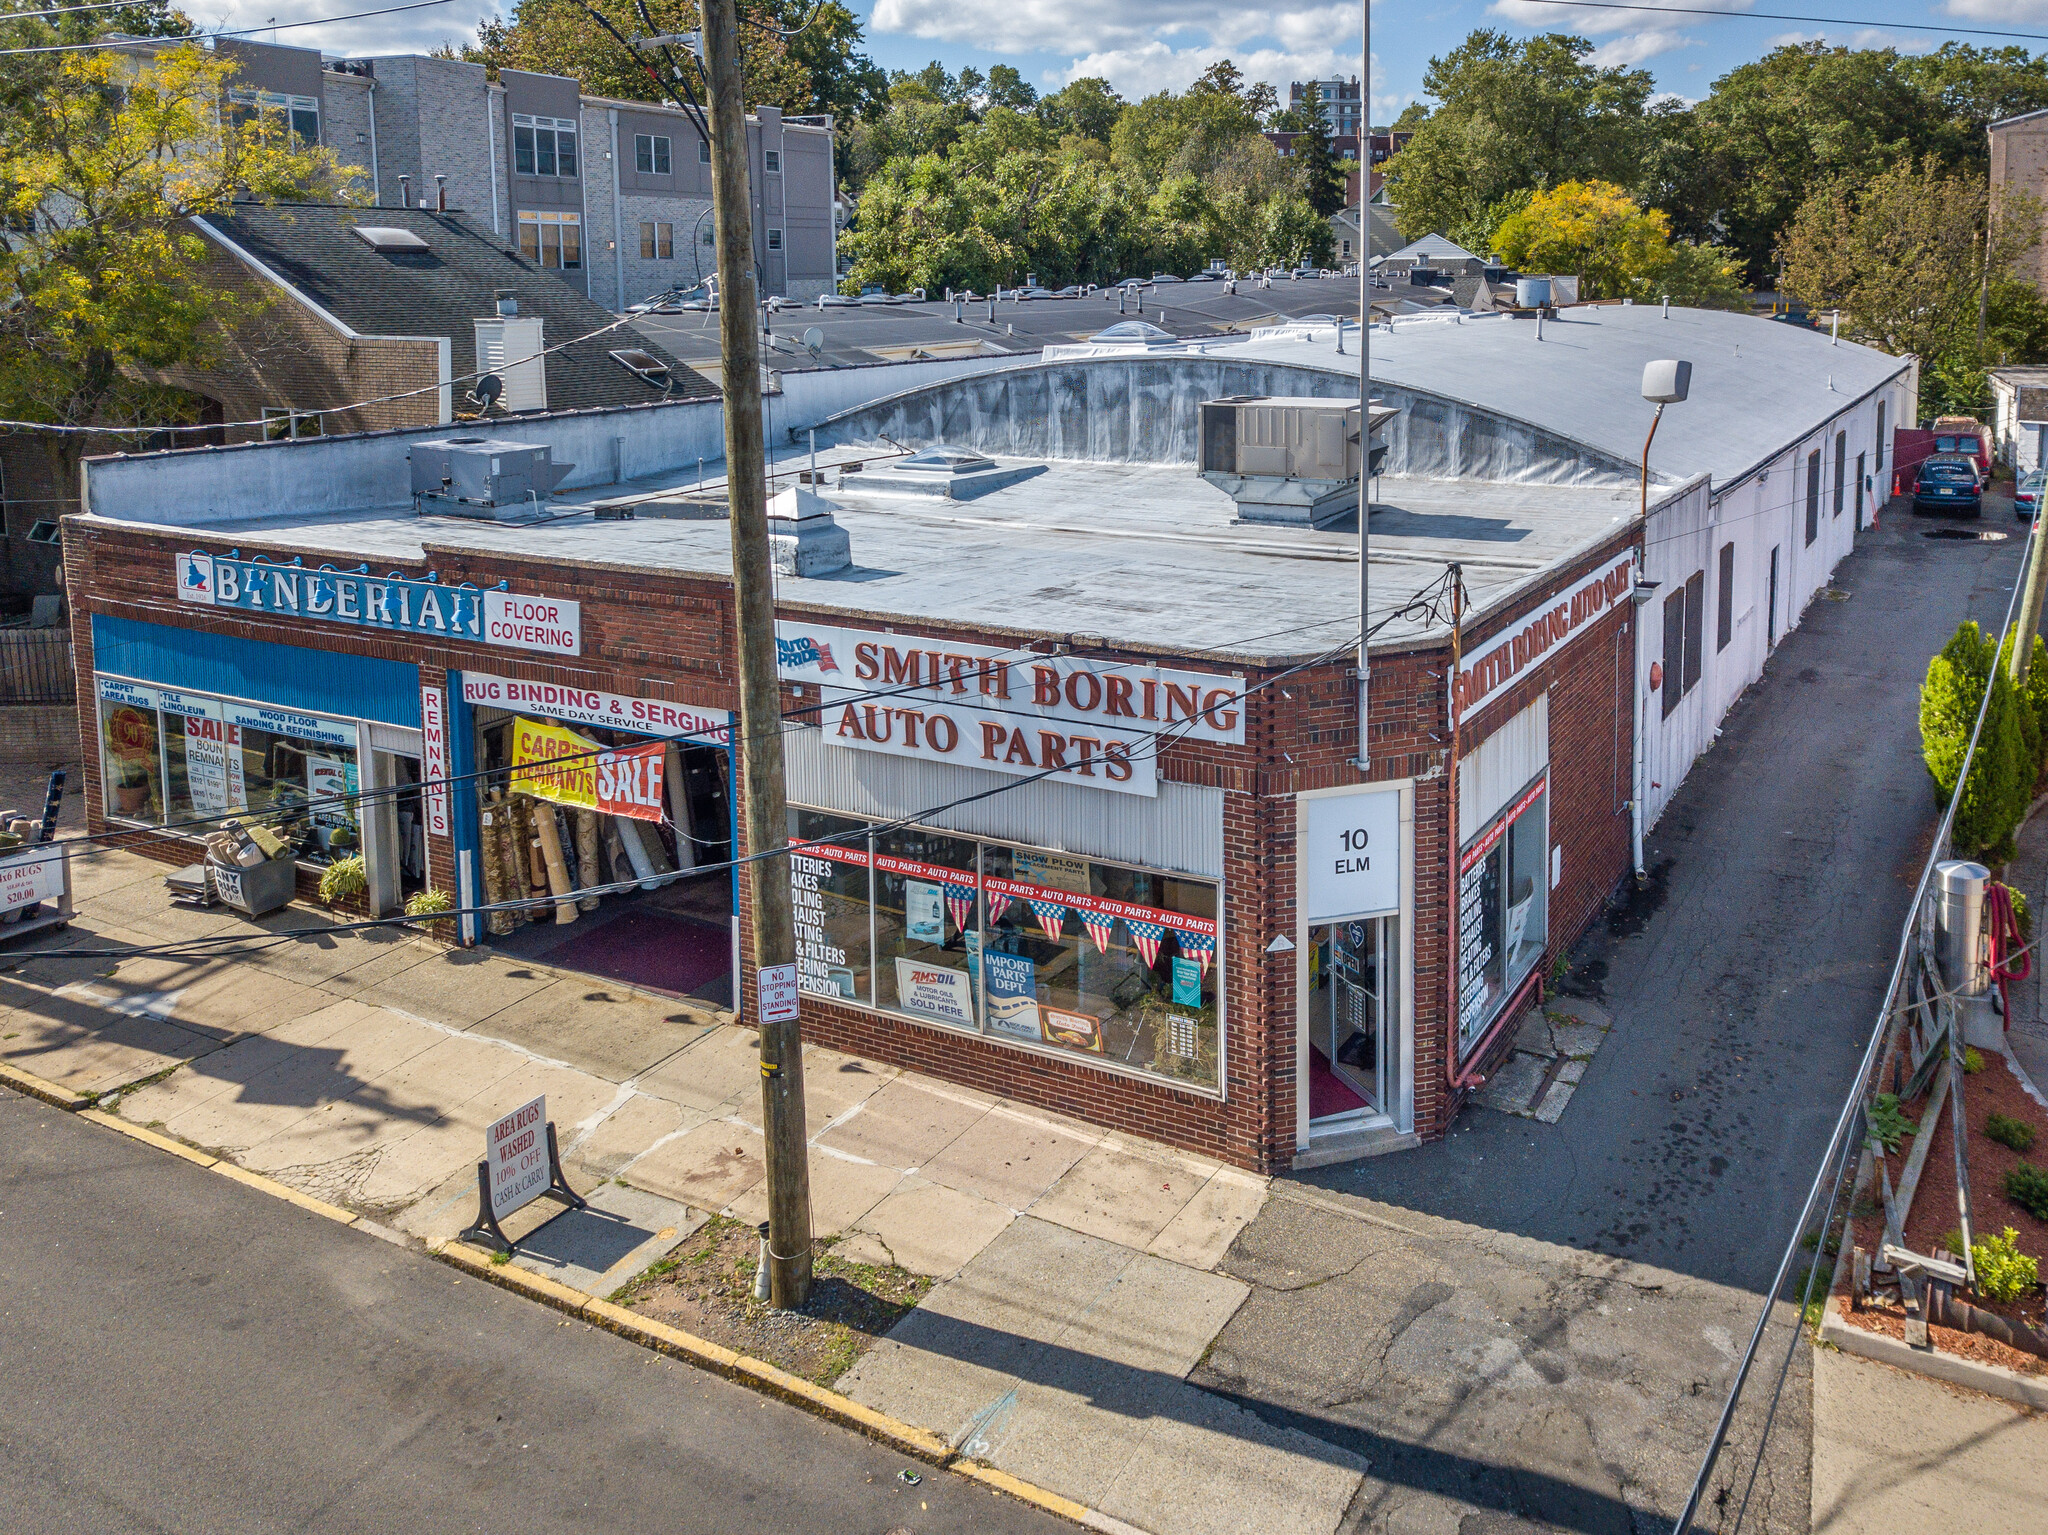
[(411, 32), (1154, 66), (1119, 27), (1537, 16), (1862, 37), (1634, 47), (2034, 11)]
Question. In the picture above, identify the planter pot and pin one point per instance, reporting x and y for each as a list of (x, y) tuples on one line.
[(130, 798)]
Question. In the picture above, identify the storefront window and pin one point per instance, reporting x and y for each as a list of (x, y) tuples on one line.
[(1110, 962), (829, 890), (189, 761), (131, 760), (1503, 910), (927, 935)]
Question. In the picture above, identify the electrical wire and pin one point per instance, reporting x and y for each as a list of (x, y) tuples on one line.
[(1819, 21), (276, 26), (1841, 1142), (71, 10)]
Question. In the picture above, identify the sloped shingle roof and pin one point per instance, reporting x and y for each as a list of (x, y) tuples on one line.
[(442, 290)]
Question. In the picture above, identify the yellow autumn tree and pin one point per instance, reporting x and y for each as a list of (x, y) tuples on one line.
[(1616, 247)]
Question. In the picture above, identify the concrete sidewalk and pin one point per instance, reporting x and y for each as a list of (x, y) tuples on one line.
[(1077, 1266)]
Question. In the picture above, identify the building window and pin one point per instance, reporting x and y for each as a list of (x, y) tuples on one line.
[(1880, 436), (543, 146), (1724, 618), (650, 153), (298, 114), (1684, 626), (1503, 909), (190, 760), (775, 239), (703, 151), (1070, 954), (1859, 489), (552, 240), (1813, 495), (1841, 469), (771, 161), (657, 242), (281, 422)]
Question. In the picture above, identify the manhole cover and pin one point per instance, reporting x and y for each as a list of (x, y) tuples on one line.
[(1968, 535)]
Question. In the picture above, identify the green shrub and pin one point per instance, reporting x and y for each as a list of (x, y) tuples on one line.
[(2004, 1273), (427, 903), (2003, 772), (1973, 1061), (2027, 1187), (344, 877), (2016, 1133), (1887, 1125)]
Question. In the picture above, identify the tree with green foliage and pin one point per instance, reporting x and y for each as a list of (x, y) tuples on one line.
[(1322, 183), (104, 284), (1087, 109), (1514, 115), (2003, 771), (1904, 255)]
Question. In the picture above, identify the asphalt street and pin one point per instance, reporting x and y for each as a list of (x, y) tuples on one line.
[(187, 1354), (1746, 984)]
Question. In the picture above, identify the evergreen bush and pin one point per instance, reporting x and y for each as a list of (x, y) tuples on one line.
[(2002, 774)]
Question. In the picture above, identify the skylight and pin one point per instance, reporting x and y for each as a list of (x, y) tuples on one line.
[(381, 237), (941, 459)]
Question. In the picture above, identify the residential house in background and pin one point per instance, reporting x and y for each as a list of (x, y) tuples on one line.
[(612, 196), (1344, 228), (2019, 162)]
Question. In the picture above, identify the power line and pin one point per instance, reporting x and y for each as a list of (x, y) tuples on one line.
[(72, 10), (281, 26), (1819, 21)]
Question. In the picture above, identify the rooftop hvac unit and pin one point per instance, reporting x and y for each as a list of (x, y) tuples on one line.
[(484, 473), (1283, 460), (510, 346)]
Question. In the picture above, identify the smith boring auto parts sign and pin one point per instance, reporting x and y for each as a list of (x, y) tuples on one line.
[(1094, 722), (1496, 665), (425, 608)]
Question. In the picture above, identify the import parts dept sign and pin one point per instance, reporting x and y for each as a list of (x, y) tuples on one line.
[(428, 609)]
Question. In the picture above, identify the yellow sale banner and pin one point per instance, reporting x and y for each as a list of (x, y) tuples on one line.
[(555, 764)]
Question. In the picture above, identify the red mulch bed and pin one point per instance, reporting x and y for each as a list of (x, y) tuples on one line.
[(1993, 1090)]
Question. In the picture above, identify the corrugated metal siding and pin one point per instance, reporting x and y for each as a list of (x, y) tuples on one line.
[(317, 681), (1503, 763), (1181, 831)]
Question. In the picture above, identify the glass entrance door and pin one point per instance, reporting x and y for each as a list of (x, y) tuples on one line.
[(1353, 1019)]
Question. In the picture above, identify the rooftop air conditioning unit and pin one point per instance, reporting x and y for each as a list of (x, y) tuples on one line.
[(484, 473), (509, 345), (1289, 461)]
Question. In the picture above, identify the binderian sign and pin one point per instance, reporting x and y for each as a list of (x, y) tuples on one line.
[(1085, 720), (516, 621)]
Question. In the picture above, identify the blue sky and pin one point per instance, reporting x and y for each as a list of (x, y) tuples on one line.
[(1146, 45)]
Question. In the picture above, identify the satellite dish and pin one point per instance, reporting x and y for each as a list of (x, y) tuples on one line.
[(814, 341), (486, 390)]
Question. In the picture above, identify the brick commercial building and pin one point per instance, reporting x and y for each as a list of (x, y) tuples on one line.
[(1071, 708)]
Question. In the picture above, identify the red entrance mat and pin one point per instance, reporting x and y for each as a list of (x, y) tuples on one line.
[(643, 948)]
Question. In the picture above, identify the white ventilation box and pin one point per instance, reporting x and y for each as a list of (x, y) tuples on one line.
[(510, 346), (1283, 460)]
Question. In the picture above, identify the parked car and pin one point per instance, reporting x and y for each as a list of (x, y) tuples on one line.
[(2026, 496), (1949, 482)]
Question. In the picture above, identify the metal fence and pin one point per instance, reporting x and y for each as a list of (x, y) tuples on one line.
[(35, 667)]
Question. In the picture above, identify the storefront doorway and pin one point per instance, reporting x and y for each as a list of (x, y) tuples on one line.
[(394, 832), (1354, 1020), (664, 919)]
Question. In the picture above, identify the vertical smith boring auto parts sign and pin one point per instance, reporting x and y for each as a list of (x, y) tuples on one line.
[(1091, 721)]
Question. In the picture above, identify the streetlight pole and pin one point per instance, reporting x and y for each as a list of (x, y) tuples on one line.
[(1364, 384), (767, 813)]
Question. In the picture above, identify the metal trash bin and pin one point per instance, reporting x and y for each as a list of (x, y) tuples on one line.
[(266, 887)]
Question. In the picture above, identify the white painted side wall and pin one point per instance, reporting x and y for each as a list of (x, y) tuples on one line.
[(1765, 512)]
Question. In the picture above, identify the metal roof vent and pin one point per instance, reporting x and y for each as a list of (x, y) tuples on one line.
[(648, 368), (951, 473), (1287, 461), (803, 537), (476, 476), (381, 237)]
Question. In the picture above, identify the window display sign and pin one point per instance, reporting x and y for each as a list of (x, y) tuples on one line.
[(424, 608), (213, 766), (588, 706), (935, 992), (289, 722), (1012, 994), (1350, 854), (331, 784), (1077, 1031), (564, 768), (924, 916)]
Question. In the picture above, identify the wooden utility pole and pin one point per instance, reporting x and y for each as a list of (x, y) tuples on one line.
[(2030, 601), (767, 814)]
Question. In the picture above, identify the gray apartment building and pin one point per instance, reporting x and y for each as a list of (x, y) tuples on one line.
[(615, 196), (1342, 102)]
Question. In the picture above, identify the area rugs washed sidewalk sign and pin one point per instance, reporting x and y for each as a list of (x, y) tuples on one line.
[(516, 1147)]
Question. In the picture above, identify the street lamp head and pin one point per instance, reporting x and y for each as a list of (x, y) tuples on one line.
[(1666, 382)]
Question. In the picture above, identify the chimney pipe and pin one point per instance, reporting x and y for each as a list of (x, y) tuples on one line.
[(405, 191), (440, 194)]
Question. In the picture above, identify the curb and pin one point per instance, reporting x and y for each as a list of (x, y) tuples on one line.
[(1991, 1379), (49, 1092), (766, 1378)]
